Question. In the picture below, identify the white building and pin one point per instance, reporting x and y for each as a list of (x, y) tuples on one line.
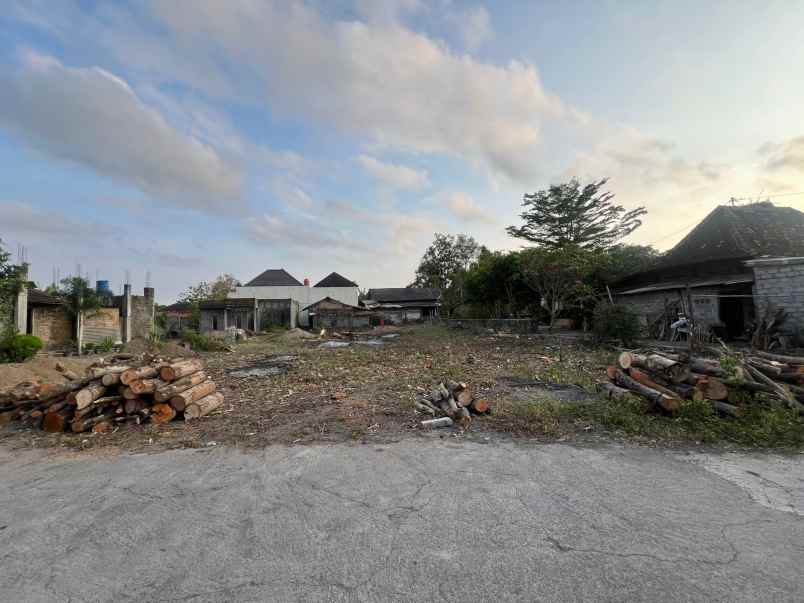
[(277, 284)]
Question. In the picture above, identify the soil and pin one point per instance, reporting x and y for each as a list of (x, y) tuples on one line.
[(41, 368), (360, 393)]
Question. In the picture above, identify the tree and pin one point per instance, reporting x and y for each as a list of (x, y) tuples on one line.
[(222, 286), (444, 265), (571, 214), (10, 283), (558, 276), (81, 301), (624, 260), (494, 285), (220, 289)]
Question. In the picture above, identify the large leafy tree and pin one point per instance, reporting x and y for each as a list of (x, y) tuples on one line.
[(560, 277), (10, 282), (572, 214), (494, 285), (444, 265), (218, 289)]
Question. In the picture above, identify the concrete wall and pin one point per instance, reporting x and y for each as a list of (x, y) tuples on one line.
[(305, 296), (142, 314), (219, 320), (780, 283), (649, 306), (53, 325)]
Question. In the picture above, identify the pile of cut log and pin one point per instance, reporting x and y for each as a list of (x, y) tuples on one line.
[(450, 402), (120, 390), (666, 378)]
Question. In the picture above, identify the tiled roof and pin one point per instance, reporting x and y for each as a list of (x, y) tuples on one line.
[(275, 277), (335, 280), (737, 232), (404, 294)]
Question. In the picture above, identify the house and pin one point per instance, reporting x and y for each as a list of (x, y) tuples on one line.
[(247, 313), (402, 305), (738, 261), (278, 285), (178, 318), (330, 313)]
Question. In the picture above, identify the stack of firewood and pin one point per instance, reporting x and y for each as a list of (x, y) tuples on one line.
[(115, 392), (730, 382), (450, 401)]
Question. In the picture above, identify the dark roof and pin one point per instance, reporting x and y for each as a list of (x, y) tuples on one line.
[(220, 304), (335, 280), (335, 302), (177, 307), (741, 232), (403, 294), (274, 278), (40, 298)]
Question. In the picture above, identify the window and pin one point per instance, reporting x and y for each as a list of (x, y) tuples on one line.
[(214, 323)]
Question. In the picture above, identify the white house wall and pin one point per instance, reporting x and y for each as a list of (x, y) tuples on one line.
[(304, 295)]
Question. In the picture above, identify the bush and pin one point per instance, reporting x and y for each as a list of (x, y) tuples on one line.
[(18, 348), (203, 343), (615, 322)]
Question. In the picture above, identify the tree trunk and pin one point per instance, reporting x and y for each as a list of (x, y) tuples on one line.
[(55, 422), (204, 406), (135, 374), (89, 394), (480, 406), (794, 360), (171, 372), (134, 405), (611, 391), (181, 400), (645, 379), (713, 388), (162, 413), (666, 402), (166, 392), (146, 386)]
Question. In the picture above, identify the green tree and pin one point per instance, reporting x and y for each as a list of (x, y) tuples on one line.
[(81, 301), (559, 277), (444, 266), (624, 260), (10, 283), (571, 214), (494, 285)]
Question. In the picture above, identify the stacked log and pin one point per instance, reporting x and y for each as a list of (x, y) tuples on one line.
[(452, 400), (122, 390), (665, 379)]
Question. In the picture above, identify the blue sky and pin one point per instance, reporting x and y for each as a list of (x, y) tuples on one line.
[(184, 139)]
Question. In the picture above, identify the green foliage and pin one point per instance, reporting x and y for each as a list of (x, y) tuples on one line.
[(106, 345), (444, 266), (614, 322), (79, 297), (203, 343), (571, 214), (559, 276), (495, 287), (11, 280), (219, 289), (623, 260), (19, 348)]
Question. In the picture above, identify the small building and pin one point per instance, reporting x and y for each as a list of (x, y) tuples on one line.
[(738, 261), (404, 304), (330, 313), (178, 318), (278, 284), (247, 313), (49, 319)]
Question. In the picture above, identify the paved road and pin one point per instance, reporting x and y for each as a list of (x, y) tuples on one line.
[(413, 521)]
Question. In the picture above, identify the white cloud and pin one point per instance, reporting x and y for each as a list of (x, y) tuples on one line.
[(271, 229), (466, 209), (24, 220), (373, 80), (93, 118), (473, 25), (395, 175)]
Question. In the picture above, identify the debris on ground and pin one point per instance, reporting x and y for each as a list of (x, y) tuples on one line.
[(453, 400), (123, 389), (729, 383), (277, 364), (334, 344)]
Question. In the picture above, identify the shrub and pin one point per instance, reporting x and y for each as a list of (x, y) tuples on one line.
[(106, 345), (18, 348), (203, 343), (615, 322)]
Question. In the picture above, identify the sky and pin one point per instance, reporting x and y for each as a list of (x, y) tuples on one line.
[(174, 141)]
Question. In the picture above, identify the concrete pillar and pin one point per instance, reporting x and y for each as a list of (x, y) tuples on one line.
[(125, 315), (21, 303), (225, 319), (256, 312)]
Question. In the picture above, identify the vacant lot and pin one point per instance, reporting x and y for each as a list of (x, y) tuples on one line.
[(283, 389)]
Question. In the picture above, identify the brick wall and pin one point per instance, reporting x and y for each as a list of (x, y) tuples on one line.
[(780, 283), (142, 315), (103, 324), (53, 325)]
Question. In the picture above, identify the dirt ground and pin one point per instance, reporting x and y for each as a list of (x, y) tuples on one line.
[(284, 389)]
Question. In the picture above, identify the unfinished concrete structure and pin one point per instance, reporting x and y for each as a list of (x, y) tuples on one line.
[(247, 313), (735, 263)]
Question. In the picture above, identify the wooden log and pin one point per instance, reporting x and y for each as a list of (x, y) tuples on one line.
[(465, 397), (167, 391), (706, 367), (612, 392), (726, 409), (675, 371), (55, 422), (133, 405), (204, 406), (146, 386), (162, 413), (713, 388), (171, 372), (770, 369), (611, 372), (84, 424), (480, 406), (625, 360), (135, 374), (127, 393), (110, 379), (684, 390), (793, 360), (181, 400), (645, 379), (57, 390), (780, 391), (424, 408), (103, 427), (463, 417), (9, 416), (668, 403), (89, 394)]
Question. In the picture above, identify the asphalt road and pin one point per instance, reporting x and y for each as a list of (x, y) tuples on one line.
[(412, 521)]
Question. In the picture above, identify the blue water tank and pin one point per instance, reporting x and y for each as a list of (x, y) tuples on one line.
[(102, 288)]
